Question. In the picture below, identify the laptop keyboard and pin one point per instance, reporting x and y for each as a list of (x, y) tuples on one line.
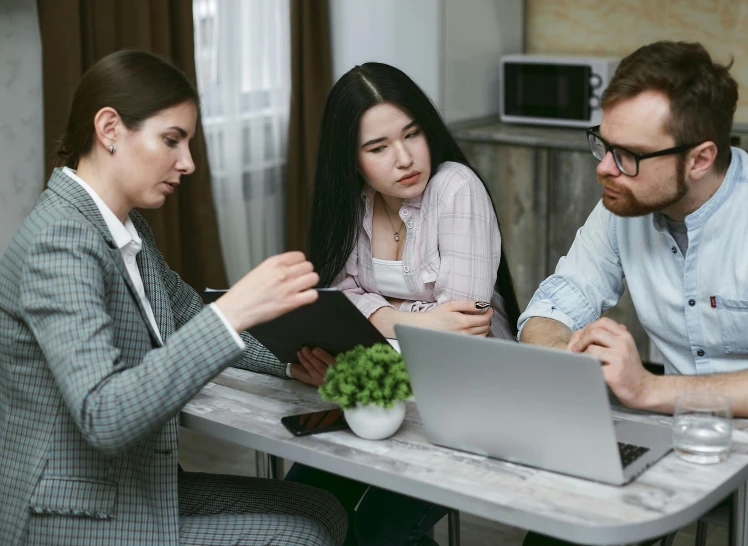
[(629, 453)]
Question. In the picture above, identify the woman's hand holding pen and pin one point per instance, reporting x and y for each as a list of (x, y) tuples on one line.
[(278, 285), (467, 317)]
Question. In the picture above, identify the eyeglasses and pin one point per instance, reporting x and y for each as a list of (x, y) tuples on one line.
[(626, 160)]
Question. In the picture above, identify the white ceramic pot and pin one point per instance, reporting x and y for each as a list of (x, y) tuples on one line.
[(373, 422)]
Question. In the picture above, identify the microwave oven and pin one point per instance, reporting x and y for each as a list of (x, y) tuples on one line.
[(553, 89)]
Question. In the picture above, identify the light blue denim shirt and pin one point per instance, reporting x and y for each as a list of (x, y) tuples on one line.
[(694, 307)]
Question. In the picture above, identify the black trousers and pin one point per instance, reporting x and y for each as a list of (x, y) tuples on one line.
[(382, 517)]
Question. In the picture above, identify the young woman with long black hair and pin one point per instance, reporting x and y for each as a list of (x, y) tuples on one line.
[(407, 229)]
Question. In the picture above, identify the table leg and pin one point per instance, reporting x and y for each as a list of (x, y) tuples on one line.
[(737, 530), (454, 528), (268, 466)]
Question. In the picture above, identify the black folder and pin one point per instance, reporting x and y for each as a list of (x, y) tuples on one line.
[(331, 323)]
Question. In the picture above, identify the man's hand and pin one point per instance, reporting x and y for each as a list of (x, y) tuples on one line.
[(622, 368), (312, 366)]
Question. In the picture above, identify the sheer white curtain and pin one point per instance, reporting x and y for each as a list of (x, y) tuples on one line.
[(242, 53)]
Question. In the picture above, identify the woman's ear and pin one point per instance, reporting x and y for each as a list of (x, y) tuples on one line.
[(108, 127)]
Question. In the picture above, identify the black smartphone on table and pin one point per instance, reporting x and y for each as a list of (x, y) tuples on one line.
[(315, 422)]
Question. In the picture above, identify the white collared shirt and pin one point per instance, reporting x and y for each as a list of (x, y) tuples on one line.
[(128, 242)]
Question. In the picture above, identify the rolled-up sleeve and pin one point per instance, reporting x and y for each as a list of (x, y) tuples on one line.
[(587, 282)]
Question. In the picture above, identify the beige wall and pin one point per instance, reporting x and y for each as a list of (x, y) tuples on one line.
[(617, 27)]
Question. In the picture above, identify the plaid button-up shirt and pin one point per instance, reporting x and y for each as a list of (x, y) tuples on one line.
[(452, 250)]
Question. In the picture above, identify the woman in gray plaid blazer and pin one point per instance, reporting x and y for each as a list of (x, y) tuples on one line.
[(101, 344)]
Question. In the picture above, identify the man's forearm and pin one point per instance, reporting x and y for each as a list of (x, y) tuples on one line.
[(663, 390), (547, 332)]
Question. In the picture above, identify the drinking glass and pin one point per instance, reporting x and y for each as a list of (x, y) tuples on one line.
[(702, 427)]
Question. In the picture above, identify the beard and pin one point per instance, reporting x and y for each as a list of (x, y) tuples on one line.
[(626, 204)]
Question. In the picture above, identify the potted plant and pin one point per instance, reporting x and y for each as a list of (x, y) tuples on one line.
[(370, 385)]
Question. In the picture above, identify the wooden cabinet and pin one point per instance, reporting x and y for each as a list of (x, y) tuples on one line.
[(521, 206), (544, 184)]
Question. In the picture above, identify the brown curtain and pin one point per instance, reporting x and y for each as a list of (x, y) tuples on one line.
[(77, 33), (311, 80)]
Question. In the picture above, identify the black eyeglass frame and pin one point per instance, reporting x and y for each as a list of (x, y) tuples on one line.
[(592, 131)]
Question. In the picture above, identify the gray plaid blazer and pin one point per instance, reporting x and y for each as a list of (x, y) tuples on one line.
[(89, 399)]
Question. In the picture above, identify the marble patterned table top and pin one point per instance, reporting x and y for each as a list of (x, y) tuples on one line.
[(246, 408)]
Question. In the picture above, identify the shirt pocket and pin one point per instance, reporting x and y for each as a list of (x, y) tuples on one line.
[(733, 324)]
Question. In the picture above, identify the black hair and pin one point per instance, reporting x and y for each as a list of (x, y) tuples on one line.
[(337, 214)]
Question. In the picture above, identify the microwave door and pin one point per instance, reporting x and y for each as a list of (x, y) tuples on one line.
[(548, 91)]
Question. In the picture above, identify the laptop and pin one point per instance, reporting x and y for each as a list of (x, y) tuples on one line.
[(526, 404)]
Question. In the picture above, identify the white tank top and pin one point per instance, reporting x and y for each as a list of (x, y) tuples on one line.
[(390, 280)]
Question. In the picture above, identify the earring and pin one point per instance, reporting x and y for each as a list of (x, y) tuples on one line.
[(111, 149)]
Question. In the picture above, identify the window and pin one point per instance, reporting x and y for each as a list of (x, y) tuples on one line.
[(242, 54)]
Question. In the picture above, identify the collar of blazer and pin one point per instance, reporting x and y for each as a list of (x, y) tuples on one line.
[(71, 191)]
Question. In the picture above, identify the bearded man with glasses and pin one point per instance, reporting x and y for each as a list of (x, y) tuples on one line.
[(673, 222), (627, 162)]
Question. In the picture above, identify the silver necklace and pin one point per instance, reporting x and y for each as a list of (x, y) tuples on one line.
[(387, 212)]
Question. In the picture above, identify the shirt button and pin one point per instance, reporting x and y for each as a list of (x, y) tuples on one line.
[(674, 250), (405, 212), (130, 260), (700, 352), (691, 302), (409, 224), (406, 269)]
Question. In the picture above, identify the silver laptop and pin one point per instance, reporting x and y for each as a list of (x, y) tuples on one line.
[(525, 404)]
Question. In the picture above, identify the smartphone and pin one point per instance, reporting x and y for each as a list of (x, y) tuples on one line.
[(316, 422)]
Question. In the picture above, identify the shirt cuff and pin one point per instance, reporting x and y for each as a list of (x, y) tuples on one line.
[(288, 371), (544, 309), (368, 303), (230, 328)]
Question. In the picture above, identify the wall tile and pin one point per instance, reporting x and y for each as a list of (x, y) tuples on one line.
[(619, 27)]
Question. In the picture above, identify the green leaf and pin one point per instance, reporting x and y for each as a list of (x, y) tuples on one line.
[(373, 375)]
